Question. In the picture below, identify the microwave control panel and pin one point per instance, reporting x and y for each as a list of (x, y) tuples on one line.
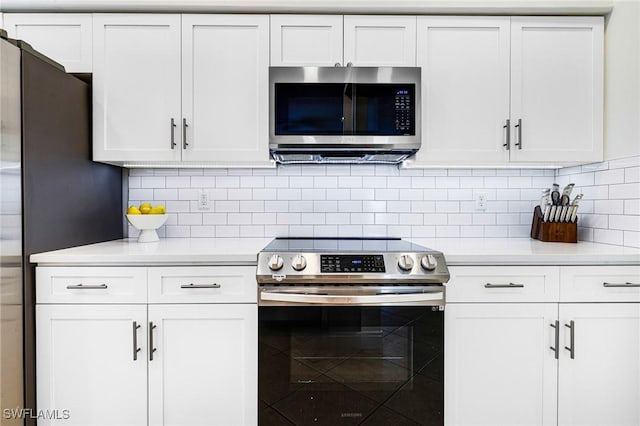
[(404, 111)]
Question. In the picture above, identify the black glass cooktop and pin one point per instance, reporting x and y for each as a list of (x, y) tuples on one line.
[(343, 245)]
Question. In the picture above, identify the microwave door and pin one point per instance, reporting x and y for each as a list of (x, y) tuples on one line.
[(348, 108), (309, 109)]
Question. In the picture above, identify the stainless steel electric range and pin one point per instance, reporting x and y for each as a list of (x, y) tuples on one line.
[(351, 331)]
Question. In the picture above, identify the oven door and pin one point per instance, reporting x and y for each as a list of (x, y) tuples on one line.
[(331, 364)]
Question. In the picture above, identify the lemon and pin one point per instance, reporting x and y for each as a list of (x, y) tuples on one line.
[(133, 210), (144, 205), (145, 209), (156, 210), (162, 209)]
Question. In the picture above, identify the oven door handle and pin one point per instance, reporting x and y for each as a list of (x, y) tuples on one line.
[(327, 299)]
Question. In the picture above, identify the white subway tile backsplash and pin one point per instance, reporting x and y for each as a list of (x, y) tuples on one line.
[(382, 200), (631, 239), (608, 236), (624, 191), (609, 207), (204, 231), (214, 218), (632, 207), (227, 231), (239, 219), (609, 177), (632, 174), (190, 219)]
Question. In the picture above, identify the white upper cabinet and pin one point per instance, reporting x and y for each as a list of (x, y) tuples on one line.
[(371, 41), (465, 89), (64, 37), (327, 40), (306, 40), (543, 74), (557, 88), (136, 87), (181, 89), (225, 63)]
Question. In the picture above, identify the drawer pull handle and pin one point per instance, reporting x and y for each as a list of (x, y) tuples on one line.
[(510, 285), (625, 285), (136, 349), (572, 349), (152, 349), (192, 285), (556, 326), (87, 287)]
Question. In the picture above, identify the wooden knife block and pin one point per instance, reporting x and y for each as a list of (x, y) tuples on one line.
[(558, 232)]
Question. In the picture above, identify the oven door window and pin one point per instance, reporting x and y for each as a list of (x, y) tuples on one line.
[(349, 365)]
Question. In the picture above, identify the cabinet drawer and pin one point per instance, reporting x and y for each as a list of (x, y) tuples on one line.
[(91, 285), (600, 284), (503, 284), (203, 284)]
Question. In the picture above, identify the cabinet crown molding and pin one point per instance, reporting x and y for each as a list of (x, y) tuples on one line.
[(427, 7)]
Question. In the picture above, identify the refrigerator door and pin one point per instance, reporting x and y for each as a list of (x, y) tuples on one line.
[(11, 272)]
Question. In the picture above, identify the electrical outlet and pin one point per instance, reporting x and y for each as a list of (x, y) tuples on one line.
[(203, 200), (481, 202)]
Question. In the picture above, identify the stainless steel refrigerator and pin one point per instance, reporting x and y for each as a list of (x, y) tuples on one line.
[(52, 196)]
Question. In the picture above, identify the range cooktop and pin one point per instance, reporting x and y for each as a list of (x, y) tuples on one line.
[(394, 261)]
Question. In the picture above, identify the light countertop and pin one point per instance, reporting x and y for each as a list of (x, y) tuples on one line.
[(243, 251)]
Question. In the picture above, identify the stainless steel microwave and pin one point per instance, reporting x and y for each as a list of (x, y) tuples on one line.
[(344, 114)]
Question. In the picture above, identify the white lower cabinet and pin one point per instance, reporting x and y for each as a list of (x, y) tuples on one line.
[(521, 350), (86, 368), (499, 367), (600, 383), (145, 363), (204, 367)]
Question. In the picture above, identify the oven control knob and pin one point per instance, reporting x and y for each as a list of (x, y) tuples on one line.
[(299, 262), (405, 262), (429, 262), (275, 262)]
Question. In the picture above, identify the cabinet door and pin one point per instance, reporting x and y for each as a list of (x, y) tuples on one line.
[(204, 368), (557, 88), (64, 37), (371, 41), (465, 89), (499, 368), (306, 40), (601, 384), (136, 87), (85, 364), (225, 91)]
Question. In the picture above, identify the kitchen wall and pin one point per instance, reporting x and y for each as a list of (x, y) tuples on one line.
[(344, 200), (611, 206), (369, 200)]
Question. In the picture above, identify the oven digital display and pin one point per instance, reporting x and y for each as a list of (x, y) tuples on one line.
[(352, 263)]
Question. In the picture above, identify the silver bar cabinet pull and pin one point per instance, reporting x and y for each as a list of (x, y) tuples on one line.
[(572, 349), (87, 287), (556, 339), (192, 285), (519, 127), (184, 133), (627, 284), (152, 349), (507, 143), (136, 349), (173, 133), (510, 285)]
